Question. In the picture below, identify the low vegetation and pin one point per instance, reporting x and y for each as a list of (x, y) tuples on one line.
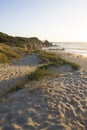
[(74, 66), (49, 60), (53, 59), (31, 43), (39, 73), (7, 53), (3, 58), (12, 47)]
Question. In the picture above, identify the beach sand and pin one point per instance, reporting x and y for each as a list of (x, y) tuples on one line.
[(81, 60), (53, 103), (78, 59)]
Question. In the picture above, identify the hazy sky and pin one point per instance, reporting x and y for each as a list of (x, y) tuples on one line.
[(55, 20)]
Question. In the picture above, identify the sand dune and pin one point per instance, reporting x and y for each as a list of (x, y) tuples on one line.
[(57, 103), (75, 58), (10, 75)]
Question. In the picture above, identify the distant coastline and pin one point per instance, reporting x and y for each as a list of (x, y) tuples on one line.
[(79, 48)]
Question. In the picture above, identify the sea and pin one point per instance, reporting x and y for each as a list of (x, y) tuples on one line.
[(79, 48)]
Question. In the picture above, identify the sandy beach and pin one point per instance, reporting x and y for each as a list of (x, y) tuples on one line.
[(57, 103), (78, 59), (75, 58)]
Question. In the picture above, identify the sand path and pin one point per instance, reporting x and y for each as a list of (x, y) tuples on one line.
[(58, 103), (11, 75), (55, 104)]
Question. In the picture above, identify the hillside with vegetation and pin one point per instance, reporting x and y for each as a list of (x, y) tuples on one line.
[(11, 47), (32, 42)]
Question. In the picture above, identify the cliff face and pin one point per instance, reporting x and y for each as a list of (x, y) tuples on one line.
[(31, 43)]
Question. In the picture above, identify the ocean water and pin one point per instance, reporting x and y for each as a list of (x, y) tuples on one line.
[(79, 48)]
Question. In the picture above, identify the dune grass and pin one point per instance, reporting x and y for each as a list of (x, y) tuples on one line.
[(7, 53), (3, 58), (49, 60), (55, 60), (39, 73), (7, 50)]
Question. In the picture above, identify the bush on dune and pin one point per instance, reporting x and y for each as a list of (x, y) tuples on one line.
[(38, 74), (49, 60), (7, 53), (55, 59), (3, 58)]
